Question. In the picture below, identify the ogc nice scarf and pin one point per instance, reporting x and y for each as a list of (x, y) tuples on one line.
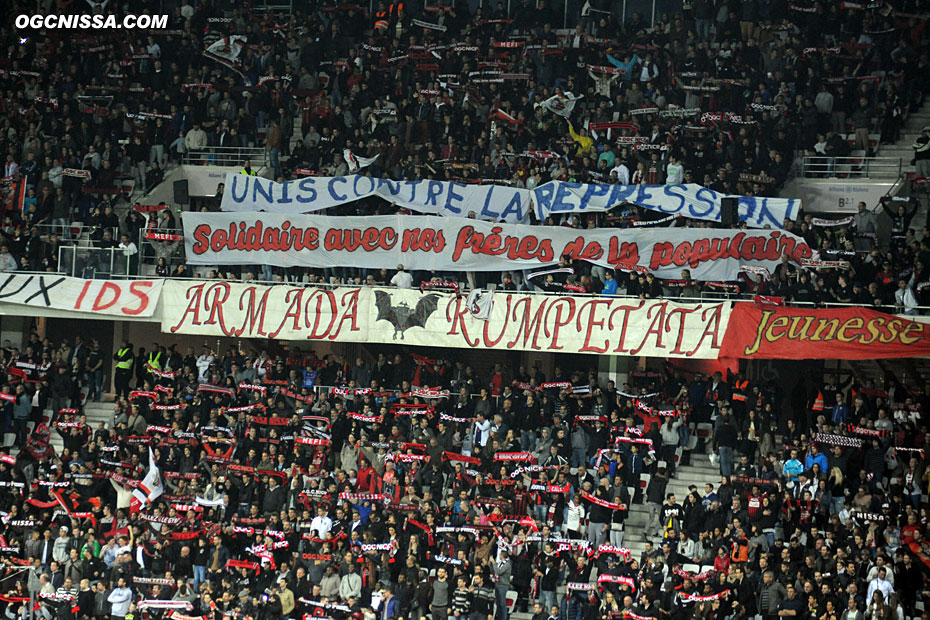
[(617, 579), (699, 599), (602, 502)]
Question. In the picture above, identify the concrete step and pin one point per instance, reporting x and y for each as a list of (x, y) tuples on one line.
[(695, 477), (707, 472), (902, 148), (95, 413)]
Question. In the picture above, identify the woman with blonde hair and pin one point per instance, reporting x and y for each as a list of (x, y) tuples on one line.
[(609, 606), (837, 490)]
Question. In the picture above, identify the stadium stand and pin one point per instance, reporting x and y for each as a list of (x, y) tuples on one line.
[(263, 480)]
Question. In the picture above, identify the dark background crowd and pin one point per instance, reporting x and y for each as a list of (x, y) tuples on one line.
[(460, 98)]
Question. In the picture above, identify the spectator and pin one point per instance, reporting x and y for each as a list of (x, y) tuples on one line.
[(922, 153), (7, 261), (866, 228), (130, 255), (904, 298), (402, 279)]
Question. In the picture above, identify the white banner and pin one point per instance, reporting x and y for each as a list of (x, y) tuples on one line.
[(457, 244), (127, 298), (687, 200), (522, 322), (496, 202), (310, 194)]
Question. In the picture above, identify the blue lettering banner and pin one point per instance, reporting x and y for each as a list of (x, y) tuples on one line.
[(497, 203), (493, 203)]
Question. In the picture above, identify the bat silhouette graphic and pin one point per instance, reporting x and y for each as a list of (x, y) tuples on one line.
[(403, 317)]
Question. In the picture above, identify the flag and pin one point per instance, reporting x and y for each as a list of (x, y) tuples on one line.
[(480, 303), (561, 104), (500, 115), (357, 163), (149, 489), (61, 501), (19, 197), (38, 443), (227, 48), (586, 9)]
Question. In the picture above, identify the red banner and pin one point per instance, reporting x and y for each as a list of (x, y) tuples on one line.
[(766, 332)]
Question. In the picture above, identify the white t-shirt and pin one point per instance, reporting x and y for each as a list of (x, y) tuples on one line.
[(573, 517), (203, 365), (322, 525), (623, 174), (482, 432), (402, 279)]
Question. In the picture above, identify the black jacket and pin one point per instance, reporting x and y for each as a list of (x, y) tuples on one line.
[(726, 436), (274, 500)]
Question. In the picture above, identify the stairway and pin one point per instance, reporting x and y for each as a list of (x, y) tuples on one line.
[(698, 472), (867, 369), (96, 413), (909, 133)]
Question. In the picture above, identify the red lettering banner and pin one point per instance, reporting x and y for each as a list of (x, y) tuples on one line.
[(517, 322), (462, 244), (771, 332), (118, 298)]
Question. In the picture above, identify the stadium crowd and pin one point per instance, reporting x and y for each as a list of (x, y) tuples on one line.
[(293, 486), (722, 94)]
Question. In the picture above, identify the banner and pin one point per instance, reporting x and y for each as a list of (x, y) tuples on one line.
[(496, 202), (518, 322), (688, 200), (134, 298), (766, 332), (310, 194), (459, 244)]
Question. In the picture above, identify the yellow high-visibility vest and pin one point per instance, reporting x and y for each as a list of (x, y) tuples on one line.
[(124, 364)]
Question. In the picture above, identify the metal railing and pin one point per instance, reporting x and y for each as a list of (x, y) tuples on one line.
[(74, 230), (851, 167), (227, 156), (282, 6), (151, 249), (96, 263)]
